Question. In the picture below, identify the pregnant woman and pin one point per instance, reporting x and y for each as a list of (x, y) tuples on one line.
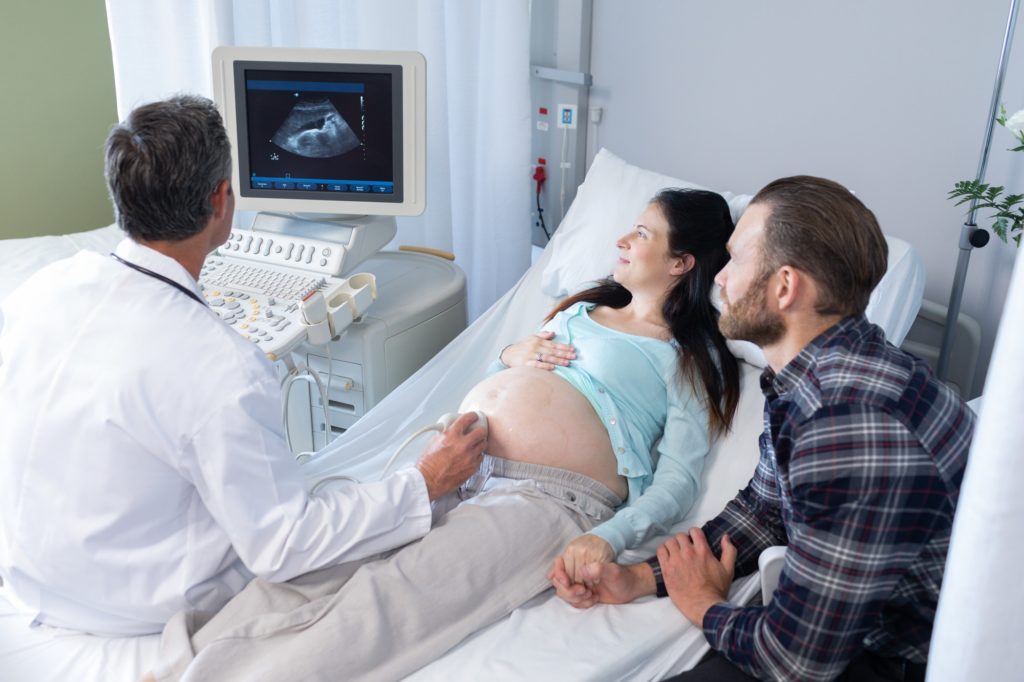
[(598, 429)]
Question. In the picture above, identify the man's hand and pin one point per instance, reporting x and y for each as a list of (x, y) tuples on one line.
[(586, 549), (608, 583), (694, 578), (452, 457)]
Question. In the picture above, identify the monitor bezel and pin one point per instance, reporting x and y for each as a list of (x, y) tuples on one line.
[(408, 103)]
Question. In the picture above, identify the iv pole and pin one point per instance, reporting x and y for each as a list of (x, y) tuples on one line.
[(971, 236)]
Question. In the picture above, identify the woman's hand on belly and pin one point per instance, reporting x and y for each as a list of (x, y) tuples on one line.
[(584, 550), (538, 350)]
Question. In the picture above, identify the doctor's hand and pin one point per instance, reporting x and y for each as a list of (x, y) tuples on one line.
[(453, 456), (695, 579), (586, 549), (606, 583), (538, 350)]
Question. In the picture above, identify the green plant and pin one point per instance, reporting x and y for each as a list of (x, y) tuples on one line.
[(1009, 209)]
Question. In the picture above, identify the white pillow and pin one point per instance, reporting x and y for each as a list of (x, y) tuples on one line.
[(608, 202)]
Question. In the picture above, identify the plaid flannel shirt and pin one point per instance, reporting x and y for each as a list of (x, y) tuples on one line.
[(862, 456)]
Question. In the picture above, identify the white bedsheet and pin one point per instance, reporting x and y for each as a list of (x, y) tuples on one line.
[(543, 639), (41, 654), (20, 258)]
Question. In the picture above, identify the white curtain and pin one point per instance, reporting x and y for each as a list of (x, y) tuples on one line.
[(478, 100), (980, 622)]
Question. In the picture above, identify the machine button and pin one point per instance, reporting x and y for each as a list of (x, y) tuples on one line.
[(309, 256), (278, 249), (266, 247), (288, 253), (327, 251), (323, 262), (259, 244), (234, 305), (217, 302)]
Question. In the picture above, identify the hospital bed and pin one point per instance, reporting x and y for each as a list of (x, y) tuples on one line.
[(544, 638)]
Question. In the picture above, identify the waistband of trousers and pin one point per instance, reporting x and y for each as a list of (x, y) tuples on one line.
[(547, 477)]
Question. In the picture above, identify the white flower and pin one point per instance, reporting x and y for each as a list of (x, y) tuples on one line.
[(1016, 122)]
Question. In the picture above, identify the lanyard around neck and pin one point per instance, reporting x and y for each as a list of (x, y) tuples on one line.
[(155, 275)]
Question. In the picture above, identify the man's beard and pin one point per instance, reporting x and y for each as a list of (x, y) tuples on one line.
[(749, 319)]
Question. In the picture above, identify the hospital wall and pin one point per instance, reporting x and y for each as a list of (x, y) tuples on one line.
[(58, 105), (889, 98)]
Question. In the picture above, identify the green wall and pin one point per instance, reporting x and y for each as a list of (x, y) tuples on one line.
[(57, 106)]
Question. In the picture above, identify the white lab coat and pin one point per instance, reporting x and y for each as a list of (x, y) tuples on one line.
[(143, 468)]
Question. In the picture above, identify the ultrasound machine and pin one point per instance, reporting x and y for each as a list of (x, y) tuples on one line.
[(328, 147)]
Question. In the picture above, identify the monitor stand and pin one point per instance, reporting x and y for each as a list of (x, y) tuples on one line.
[(358, 237)]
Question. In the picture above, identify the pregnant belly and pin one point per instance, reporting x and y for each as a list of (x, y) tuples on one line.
[(536, 416)]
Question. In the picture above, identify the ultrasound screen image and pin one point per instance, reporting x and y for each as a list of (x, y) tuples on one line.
[(315, 130), (323, 129)]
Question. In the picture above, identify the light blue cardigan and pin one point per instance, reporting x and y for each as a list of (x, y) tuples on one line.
[(634, 385)]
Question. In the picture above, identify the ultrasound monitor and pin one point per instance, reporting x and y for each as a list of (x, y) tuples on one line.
[(326, 144)]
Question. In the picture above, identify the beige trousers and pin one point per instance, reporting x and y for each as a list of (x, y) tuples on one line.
[(383, 618)]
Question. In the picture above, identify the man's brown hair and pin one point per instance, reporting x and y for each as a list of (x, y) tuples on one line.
[(819, 227)]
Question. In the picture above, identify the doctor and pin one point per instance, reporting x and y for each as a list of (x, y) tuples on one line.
[(143, 468), (862, 456)]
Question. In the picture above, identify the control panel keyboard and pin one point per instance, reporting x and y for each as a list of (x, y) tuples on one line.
[(262, 302), (278, 249)]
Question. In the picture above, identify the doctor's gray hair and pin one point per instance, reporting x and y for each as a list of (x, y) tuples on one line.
[(162, 165)]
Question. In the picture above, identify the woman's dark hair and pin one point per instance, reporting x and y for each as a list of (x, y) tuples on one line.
[(700, 225)]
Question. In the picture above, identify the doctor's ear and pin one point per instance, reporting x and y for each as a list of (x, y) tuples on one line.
[(223, 188), (682, 264), (219, 198)]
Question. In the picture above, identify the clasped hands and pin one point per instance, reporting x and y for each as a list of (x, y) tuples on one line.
[(694, 577)]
